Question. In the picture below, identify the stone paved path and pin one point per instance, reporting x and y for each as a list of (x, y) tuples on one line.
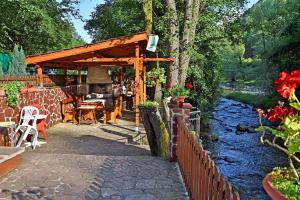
[(92, 162)]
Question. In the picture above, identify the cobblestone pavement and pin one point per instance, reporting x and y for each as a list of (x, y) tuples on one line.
[(92, 162)]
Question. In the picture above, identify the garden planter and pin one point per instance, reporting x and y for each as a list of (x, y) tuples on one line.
[(272, 191), (157, 134)]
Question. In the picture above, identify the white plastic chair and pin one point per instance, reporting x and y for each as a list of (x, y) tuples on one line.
[(27, 126)]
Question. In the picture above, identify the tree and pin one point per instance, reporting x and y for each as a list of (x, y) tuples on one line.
[(1, 71), (19, 61), (115, 18), (37, 25), (148, 12)]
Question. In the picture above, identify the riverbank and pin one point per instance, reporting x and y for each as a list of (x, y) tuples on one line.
[(255, 100)]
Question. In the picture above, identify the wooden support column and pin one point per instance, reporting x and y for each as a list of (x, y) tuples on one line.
[(66, 75), (137, 87), (141, 80), (145, 85), (79, 76), (39, 75), (122, 85)]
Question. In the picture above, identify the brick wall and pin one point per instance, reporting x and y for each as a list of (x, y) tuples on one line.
[(49, 99), (177, 112)]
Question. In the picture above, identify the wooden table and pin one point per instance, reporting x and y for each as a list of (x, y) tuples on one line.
[(88, 114)]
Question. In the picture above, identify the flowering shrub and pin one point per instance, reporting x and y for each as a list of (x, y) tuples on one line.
[(288, 118)]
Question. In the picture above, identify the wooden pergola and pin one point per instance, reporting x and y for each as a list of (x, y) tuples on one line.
[(122, 51)]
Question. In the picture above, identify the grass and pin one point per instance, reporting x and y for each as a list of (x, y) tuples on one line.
[(257, 101)]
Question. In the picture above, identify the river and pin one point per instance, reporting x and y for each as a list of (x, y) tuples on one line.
[(240, 156)]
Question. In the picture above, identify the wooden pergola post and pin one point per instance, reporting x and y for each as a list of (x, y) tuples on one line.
[(66, 77), (39, 75), (79, 76), (137, 87), (144, 84)]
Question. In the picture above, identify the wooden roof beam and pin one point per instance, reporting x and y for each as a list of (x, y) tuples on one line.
[(82, 64), (87, 48)]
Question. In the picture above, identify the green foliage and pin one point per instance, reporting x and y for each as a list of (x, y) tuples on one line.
[(148, 104), (205, 80), (165, 140), (285, 182), (178, 90), (157, 74), (116, 18), (269, 32), (12, 91), (37, 25)]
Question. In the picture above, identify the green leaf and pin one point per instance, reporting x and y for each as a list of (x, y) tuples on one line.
[(294, 145), (275, 132), (295, 105)]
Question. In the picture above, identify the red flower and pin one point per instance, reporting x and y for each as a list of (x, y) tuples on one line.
[(189, 86), (295, 76), (278, 113), (285, 84)]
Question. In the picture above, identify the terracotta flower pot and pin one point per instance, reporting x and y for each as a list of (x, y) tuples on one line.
[(180, 99), (2, 93), (272, 191), (32, 89), (23, 90)]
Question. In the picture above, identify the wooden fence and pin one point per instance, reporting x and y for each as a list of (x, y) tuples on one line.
[(200, 174)]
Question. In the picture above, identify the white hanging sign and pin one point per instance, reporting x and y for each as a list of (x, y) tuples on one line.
[(152, 43)]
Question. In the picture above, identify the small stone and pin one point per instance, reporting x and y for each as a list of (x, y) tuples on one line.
[(141, 197), (228, 129), (241, 128), (239, 132), (106, 192)]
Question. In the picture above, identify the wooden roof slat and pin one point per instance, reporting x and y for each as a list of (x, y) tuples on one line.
[(125, 40)]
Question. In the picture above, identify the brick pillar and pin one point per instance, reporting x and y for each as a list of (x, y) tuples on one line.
[(177, 113)]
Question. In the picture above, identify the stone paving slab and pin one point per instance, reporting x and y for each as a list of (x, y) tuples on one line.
[(92, 162), (67, 176)]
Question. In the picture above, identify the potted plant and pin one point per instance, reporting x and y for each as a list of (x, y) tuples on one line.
[(31, 88), (284, 183), (179, 93)]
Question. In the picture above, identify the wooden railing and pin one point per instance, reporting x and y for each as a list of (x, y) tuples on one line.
[(200, 174), (48, 80), (24, 79)]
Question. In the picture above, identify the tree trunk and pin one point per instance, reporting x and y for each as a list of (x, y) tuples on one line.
[(172, 71), (158, 93), (191, 15), (147, 6)]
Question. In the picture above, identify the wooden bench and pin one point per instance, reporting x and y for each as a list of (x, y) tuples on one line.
[(68, 108), (10, 158)]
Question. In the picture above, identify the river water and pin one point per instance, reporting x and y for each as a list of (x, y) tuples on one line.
[(240, 156)]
